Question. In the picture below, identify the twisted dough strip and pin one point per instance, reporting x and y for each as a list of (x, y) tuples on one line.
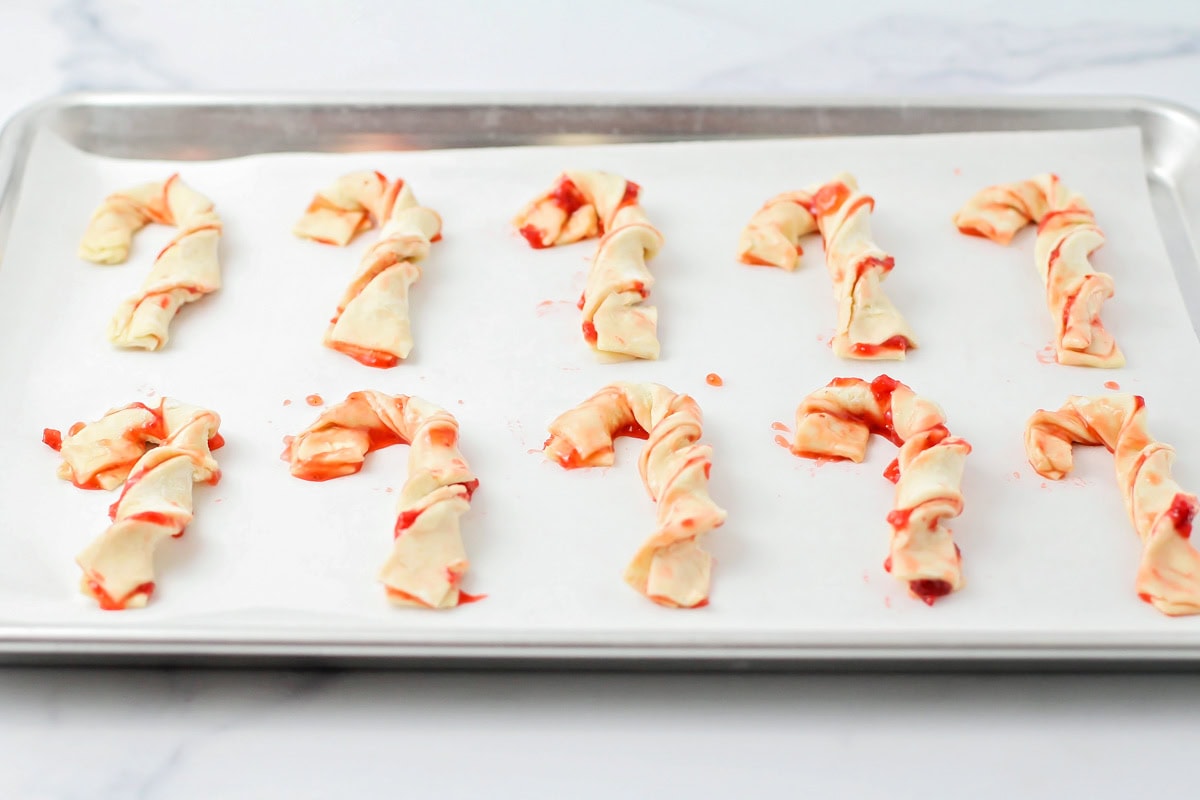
[(156, 500), (185, 270), (868, 326), (836, 422), (372, 321), (670, 568), (1169, 575), (1067, 234), (428, 561), (579, 206)]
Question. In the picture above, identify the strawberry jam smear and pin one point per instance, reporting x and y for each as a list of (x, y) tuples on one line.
[(533, 235), (896, 344), (1181, 513), (929, 590), (566, 195), (573, 460), (109, 603), (367, 357), (52, 438)]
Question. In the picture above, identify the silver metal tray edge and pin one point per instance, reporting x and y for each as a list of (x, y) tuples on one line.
[(205, 126)]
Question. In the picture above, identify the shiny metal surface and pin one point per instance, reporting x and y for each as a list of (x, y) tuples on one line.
[(196, 127)]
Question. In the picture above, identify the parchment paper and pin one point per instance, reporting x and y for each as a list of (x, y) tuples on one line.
[(498, 344)]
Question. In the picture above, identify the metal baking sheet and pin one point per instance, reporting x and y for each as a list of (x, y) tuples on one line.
[(203, 128)]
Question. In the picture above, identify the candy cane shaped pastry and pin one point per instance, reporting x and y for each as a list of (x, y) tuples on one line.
[(836, 421), (428, 561), (372, 321), (185, 270), (1161, 512), (579, 206), (1067, 234), (868, 326), (670, 568), (158, 453)]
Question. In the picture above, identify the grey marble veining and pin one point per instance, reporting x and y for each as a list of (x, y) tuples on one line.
[(923, 54)]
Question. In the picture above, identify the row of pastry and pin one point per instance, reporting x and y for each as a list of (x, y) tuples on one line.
[(155, 454), (372, 322)]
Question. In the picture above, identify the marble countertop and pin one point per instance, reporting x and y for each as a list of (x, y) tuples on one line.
[(179, 733)]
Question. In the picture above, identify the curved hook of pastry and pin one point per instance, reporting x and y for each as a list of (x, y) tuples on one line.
[(582, 205), (372, 323), (835, 422), (184, 271), (868, 325), (1067, 234), (1161, 512), (428, 561), (670, 568), (157, 453)]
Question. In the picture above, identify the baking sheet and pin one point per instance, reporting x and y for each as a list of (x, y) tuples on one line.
[(496, 328)]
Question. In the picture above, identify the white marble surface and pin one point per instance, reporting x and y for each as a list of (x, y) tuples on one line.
[(186, 733)]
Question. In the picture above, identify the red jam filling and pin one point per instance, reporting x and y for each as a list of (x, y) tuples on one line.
[(1181, 513), (930, 589), (52, 438)]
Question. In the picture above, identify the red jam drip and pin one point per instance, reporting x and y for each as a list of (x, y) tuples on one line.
[(156, 518), (755, 261), (892, 473), (713, 379), (1181, 513), (898, 519), (632, 190), (315, 400), (471, 487), (589, 332), (1112, 385), (76, 428), (533, 235), (216, 441), (567, 196), (52, 438), (882, 388), (785, 444), (366, 357), (930, 589), (108, 603), (895, 344), (887, 564), (582, 301)]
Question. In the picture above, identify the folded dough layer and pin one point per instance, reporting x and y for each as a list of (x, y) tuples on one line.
[(1161, 512), (428, 560), (372, 323), (836, 421), (670, 568), (157, 453), (1067, 234), (582, 205), (868, 326), (184, 271)]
